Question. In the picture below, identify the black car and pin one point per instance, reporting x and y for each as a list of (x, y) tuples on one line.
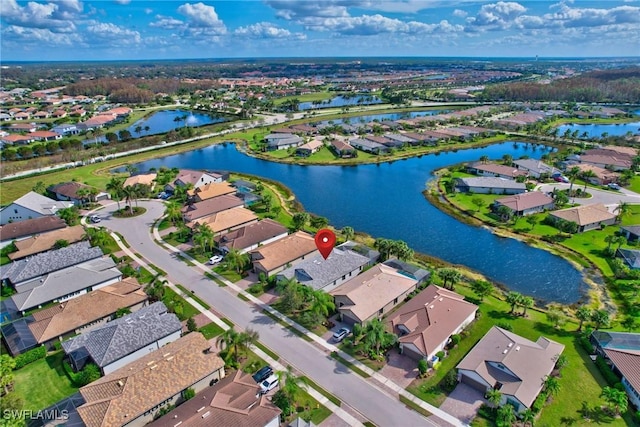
[(262, 374)]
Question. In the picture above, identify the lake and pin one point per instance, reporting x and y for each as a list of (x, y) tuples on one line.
[(597, 130), (165, 120), (341, 101), (385, 200)]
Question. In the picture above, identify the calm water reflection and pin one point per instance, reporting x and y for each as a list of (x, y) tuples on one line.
[(386, 200)]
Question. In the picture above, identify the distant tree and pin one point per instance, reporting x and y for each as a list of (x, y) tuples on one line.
[(600, 318), (526, 302), (191, 325), (319, 222), (532, 221), (513, 298), (583, 314), (347, 232), (449, 276), (556, 317), (478, 202), (300, 220)]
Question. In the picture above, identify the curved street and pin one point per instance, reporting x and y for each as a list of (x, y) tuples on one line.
[(371, 401), (609, 198)]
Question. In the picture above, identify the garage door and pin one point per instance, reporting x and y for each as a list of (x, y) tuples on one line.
[(473, 383)]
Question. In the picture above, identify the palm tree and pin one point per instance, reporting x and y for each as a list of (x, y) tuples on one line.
[(229, 339), (586, 175), (484, 159), (208, 235), (583, 314), (494, 397), (237, 259), (401, 250), (573, 174), (528, 417), (623, 209), (376, 336), (506, 415), (114, 187), (449, 276), (551, 385), (513, 298), (130, 194), (616, 399), (173, 212), (291, 384), (348, 232), (246, 339), (526, 302), (384, 247), (321, 305), (507, 159), (82, 194)]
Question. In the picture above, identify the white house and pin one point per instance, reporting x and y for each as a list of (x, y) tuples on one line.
[(31, 205)]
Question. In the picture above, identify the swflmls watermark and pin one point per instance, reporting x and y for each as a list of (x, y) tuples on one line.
[(46, 415)]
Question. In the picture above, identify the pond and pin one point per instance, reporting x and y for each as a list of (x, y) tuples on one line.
[(340, 101), (385, 200), (165, 120), (597, 130)]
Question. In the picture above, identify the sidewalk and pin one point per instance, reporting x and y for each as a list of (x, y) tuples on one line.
[(386, 382), (345, 416)]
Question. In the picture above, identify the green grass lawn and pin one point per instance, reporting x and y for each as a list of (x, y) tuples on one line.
[(307, 408), (580, 382), (43, 383), (211, 330), (634, 185), (170, 298)]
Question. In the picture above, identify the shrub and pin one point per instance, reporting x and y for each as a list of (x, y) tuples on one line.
[(30, 356), (586, 344), (89, 374), (422, 366), (610, 377), (281, 400), (538, 404), (256, 289), (191, 325), (440, 355), (455, 339), (450, 381), (505, 325), (188, 394)]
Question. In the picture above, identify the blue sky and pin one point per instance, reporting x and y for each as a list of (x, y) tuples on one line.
[(167, 29)]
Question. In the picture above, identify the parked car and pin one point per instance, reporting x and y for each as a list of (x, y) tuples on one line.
[(341, 334), (95, 219), (214, 259), (613, 186), (561, 178), (163, 196), (269, 384), (262, 374)]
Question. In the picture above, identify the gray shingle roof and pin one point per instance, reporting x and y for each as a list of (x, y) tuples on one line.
[(123, 336), (47, 262), (64, 282), (491, 182), (319, 273), (41, 204)]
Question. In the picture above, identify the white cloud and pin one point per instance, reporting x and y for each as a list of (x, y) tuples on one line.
[(200, 15), (52, 16), (496, 16), (38, 37), (168, 22), (123, 2), (377, 24), (112, 34), (267, 30), (148, 11), (460, 13)]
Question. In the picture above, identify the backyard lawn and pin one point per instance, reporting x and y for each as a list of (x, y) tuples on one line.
[(43, 383), (581, 382)]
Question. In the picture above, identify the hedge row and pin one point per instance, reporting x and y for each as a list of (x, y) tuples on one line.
[(30, 356), (610, 377)]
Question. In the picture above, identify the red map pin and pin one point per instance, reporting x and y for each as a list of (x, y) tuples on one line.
[(325, 241)]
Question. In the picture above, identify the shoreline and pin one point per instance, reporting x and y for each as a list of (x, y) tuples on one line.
[(597, 293)]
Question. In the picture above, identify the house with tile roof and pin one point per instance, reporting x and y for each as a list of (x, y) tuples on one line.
[(276, 256), (46, 241), (327, 274), (31, 205), (211, 190), (208, 207), (123, 340), (588, 217), (143, 179), (73, 317), (489, 185), (526, 203), (282, 141), (511, 364), (226, 221), (28, 228), (134, 394), (495, 170), (251, 236), (68, 191), (621, 350), (234, 401), (368, 146), (342, 149), (602, 176), (425, 323), (372, 294), (305, 150)]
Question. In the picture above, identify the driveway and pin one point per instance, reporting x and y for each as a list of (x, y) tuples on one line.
[(608, 198), (378, 406), (463, 402), (400, 369)]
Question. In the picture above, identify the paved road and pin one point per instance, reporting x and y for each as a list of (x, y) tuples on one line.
[(355, 391), (606, 197)]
